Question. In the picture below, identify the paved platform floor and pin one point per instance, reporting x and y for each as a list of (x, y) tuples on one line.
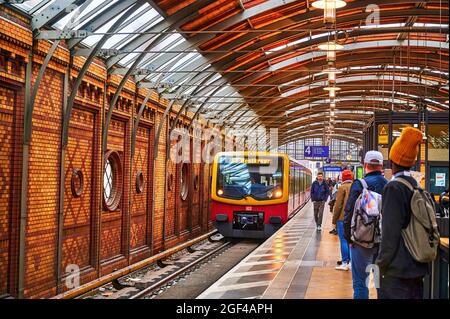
[(295, 263)]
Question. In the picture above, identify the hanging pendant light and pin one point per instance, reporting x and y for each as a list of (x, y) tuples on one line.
[(331, 48), (329, 9), (332, 71)]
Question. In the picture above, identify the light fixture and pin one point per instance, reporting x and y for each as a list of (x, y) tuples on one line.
[(332, 88), (331, 48), (329, 7), (332, 74)]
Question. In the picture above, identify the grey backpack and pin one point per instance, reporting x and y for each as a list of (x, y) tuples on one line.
[(365, 227), (421, 236)]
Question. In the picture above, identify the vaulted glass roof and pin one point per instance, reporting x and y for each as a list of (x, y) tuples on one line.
[(253, 63)]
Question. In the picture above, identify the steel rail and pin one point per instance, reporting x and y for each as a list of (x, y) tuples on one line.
[(131, 268), (178, 273)]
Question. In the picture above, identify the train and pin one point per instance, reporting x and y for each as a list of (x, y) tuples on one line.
[(253, 194)]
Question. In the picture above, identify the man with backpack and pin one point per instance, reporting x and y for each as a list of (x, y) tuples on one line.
[(409, 232), (319, 195), (362, 221)]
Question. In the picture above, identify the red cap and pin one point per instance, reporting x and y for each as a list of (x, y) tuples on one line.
[(346, 175)]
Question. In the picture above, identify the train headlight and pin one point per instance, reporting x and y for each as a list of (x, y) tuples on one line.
[(220, 192), (278, 193)]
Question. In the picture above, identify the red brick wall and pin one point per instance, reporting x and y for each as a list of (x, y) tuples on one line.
[(79, 211), (7, 195), (96, 240)]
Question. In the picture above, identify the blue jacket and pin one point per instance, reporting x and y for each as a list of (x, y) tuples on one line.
[(375, 182), (319, 192)]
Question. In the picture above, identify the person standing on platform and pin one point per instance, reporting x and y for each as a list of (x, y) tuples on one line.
[(338, 217), (401, 275), (362, 256), (319, 195)]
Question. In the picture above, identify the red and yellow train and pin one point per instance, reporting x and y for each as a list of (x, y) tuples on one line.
[(255, 193)]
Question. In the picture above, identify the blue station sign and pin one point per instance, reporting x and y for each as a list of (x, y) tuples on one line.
[(317, 151), (332, 169)]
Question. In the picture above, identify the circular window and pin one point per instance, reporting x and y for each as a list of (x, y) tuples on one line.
[(77, 183), (196, 182), (139, 182), (170, 182), (184, 181), (112, 181)]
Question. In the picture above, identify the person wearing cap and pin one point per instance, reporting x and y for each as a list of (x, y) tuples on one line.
[(361, 257), (401, 276), (338, 217)]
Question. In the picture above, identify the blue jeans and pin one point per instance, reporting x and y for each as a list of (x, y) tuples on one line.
[(345, 250), (361, 258)]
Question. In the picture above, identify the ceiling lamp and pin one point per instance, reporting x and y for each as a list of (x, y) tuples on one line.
[(331, 48), (329, 7), (332, 88), (332, 74)]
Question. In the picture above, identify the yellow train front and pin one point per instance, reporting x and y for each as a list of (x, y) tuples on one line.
[(255, 193)]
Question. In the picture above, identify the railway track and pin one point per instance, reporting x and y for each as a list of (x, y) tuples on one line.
[(147, 281)]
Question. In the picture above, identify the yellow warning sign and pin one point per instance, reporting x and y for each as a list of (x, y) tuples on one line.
[(383, 134)]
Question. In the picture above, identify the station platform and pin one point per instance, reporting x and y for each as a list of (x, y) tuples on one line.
[(297, 262)]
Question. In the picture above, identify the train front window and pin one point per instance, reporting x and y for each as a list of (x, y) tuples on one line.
[(258, 177)]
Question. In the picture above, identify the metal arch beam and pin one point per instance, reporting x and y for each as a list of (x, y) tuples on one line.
[(56, 10), (104, 18), (82, 72), (347, 66), (181, 110), (161, 123), (348, 47), (311, 134), (222, 79), (171, 23), (136, 122), (347, 138), (401, 92), (301, 17), (380, 94), (341, 122)]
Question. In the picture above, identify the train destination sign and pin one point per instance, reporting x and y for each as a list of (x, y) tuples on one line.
[(317, 151)]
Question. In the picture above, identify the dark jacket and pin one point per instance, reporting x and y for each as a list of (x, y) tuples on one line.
[(394, 258), (319, 192), (375, 182)]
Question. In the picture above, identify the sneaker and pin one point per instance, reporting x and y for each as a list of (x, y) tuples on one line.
[(333, 232), (319, 228), (339, 262), (343, 266)]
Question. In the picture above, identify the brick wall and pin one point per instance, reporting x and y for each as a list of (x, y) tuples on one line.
[(93, 238)]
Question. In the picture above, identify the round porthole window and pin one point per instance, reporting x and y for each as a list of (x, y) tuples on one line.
[(77, 183), (139, 182), (112, 181), (184, 182)]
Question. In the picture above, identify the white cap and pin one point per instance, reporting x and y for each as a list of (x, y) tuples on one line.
[(373, 157)]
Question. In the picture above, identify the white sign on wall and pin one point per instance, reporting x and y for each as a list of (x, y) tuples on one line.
[(440, 179)]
